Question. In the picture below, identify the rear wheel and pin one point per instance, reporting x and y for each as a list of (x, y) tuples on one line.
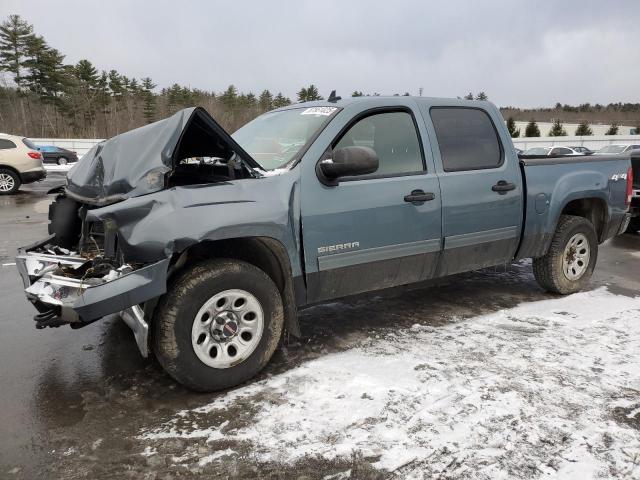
[(218, 325), (9, 181), (62, 161), (568, 265)]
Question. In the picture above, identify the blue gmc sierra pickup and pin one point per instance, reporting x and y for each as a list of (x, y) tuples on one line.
[(207, 244)]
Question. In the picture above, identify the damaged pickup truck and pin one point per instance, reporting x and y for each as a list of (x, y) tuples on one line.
[(207, 244)]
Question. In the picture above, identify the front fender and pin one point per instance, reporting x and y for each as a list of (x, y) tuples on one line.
[(156, 226)]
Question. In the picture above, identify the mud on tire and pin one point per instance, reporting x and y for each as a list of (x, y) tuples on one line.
[(178, 310), (548, 270)]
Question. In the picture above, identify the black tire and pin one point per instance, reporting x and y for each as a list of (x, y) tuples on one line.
[(634, 225), (5, 172), (62, 161), (177, 310), (64, 222), (548, 269)]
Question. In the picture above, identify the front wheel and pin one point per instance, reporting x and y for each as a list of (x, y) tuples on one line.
[(568, 265), (218, 325)]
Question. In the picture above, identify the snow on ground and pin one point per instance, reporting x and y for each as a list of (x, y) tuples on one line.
[(548, 389)]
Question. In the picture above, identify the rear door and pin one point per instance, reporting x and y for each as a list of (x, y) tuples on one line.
[(481, 187), (372, 231)]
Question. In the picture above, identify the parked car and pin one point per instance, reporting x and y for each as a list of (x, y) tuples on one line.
[(208, 263), (20, 162), (552, 151), (59, 155), (617, 149), (582, 150)]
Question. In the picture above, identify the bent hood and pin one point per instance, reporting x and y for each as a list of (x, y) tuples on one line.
[(138, 162)]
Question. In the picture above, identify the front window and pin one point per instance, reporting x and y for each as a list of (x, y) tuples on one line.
[(275, 138)]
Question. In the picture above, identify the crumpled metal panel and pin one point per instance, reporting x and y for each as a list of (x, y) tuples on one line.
[(153, 227), (137, 162)]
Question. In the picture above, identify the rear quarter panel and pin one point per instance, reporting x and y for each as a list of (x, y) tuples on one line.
[(550, 188)]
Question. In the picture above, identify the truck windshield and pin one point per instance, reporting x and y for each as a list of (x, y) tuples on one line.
[(275, 138)]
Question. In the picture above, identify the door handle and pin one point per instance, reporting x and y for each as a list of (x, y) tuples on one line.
[(502, 187), (418, 197)]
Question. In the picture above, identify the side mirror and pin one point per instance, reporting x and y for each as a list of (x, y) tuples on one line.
[(347, 162)]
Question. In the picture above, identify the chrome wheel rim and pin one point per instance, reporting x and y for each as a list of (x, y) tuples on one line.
[(227, 328), (6, 182), (575, 259), (62, 161)]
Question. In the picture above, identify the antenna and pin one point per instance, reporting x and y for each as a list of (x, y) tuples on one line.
[(333, 98)]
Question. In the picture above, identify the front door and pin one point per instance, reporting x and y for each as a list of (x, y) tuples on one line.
[(379, 230), (481, 189)]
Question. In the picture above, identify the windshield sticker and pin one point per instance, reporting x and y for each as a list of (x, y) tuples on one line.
[(326, 111)]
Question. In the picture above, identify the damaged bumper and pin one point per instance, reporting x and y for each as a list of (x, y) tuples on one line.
[(64, 298)]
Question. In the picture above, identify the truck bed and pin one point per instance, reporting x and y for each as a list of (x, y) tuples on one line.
[(599, 179)]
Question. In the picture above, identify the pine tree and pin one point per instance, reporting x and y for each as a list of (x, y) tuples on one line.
[(469, 96), (230, 96), (356, 93), (532, 129), (87, 73), (149, 99), (584, 130), (482, 96), (280, 101), (613, 129), (309, 94), (511, 126), (557, 130), (15, 35), (265, 101), (44, 71)]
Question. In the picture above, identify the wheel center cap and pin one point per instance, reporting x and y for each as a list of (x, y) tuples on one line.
[(224, 326)]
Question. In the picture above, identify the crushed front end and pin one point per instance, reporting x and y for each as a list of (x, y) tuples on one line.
[(78, 275), (119, 221)]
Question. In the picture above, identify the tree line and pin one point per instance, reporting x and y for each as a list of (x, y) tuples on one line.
[(47, 97), (557, 129), (43, 96)]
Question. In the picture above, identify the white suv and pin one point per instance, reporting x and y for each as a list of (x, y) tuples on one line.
[(20, 162)]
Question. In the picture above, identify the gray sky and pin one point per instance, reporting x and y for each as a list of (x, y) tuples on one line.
[(523, 53)]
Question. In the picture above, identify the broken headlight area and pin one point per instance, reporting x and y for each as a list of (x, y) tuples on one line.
[(70, 288), (56, 280)]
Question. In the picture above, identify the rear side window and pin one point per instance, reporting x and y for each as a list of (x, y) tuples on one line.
[(467, 139), (29, 144), (6, 144), (393, 136)]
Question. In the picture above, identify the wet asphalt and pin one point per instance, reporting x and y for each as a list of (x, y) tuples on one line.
[(72, 401)]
